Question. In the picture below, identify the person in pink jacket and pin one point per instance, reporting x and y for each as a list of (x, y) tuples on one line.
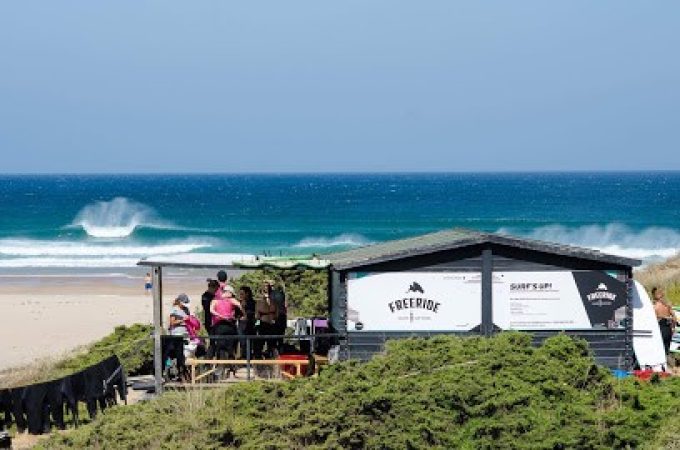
[(223, 313)]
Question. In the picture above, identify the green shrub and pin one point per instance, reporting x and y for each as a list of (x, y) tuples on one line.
[(443, 392), (306, 290), (133, 346)]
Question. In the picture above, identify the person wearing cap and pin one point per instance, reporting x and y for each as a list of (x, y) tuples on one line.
[(223, 316), (180, 311)]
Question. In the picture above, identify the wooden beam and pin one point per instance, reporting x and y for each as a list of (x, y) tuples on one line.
[(157, 288), (487, 288), (243, 362)]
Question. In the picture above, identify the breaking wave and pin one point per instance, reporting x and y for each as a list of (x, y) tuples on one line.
[(651, 243), (117, 218), (342, 240)]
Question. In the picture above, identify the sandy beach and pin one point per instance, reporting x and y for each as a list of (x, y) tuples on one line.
[(53, 313)]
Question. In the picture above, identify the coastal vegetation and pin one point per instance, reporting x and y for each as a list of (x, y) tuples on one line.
[(133, 346), (306, 290), (665, 274), (442, 392)]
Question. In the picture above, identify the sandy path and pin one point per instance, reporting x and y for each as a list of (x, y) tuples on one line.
[(50, 325), (51, 319)]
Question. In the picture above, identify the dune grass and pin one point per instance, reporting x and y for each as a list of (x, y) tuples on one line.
[(665, 274)]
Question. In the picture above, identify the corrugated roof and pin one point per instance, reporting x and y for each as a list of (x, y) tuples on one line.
[(459, 238)]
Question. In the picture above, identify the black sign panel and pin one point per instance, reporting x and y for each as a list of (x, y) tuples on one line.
[(603, 297)]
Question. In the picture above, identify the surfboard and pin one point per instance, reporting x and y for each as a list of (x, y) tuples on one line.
[(647, 342)]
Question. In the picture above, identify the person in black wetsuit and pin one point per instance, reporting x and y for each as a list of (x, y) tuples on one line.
[(207, 297), (279, 298), (246, 322), (666, 317)]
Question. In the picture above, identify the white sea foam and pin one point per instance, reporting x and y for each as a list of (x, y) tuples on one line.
[(68, 262), (648, 244), (117, 218), (46, 248), (348, 240)]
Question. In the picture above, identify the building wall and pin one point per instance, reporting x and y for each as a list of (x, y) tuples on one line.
[(612, 348)]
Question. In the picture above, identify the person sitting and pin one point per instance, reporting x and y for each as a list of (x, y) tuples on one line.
[(266, 314), (223, 312)]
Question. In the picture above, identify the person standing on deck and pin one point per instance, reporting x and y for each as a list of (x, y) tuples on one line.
[(279, 298), (207, 298), (266, 314), (246, 323), (223, 316), (222, 279)]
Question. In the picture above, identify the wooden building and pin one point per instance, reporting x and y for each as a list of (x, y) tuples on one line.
[(470, 282), (454, 281)]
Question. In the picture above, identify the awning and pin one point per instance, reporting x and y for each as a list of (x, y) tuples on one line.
[(283, 263), (234, 261)]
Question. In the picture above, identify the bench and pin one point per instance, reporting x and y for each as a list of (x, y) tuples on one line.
[(193, 363)]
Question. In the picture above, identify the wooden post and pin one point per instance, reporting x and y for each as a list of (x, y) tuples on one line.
[(487, 288), (248, 346), (158, 328), (629, 360)]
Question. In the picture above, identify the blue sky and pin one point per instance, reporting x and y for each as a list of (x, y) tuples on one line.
[(272, 86)]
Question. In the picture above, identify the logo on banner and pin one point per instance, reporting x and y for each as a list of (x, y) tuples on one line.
[(415, 305), (415, 287), (602, 296)]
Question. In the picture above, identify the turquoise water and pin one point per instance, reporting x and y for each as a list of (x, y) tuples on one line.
[(112, 221)]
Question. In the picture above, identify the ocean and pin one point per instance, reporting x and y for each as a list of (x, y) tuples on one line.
[(108, 221)]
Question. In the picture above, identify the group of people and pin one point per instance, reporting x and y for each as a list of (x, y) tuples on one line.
[(229, 317)]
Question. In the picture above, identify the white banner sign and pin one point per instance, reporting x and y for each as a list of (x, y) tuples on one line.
[(557, 300), (418, 301)]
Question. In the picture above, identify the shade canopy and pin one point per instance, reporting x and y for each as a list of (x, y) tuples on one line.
[(233, 261), (284, 263)]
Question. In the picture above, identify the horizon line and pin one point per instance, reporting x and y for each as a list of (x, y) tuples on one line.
[(307, 173)]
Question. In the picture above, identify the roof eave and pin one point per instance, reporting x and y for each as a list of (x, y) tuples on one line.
[(483, 238), (406, 254), (569, 251)]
